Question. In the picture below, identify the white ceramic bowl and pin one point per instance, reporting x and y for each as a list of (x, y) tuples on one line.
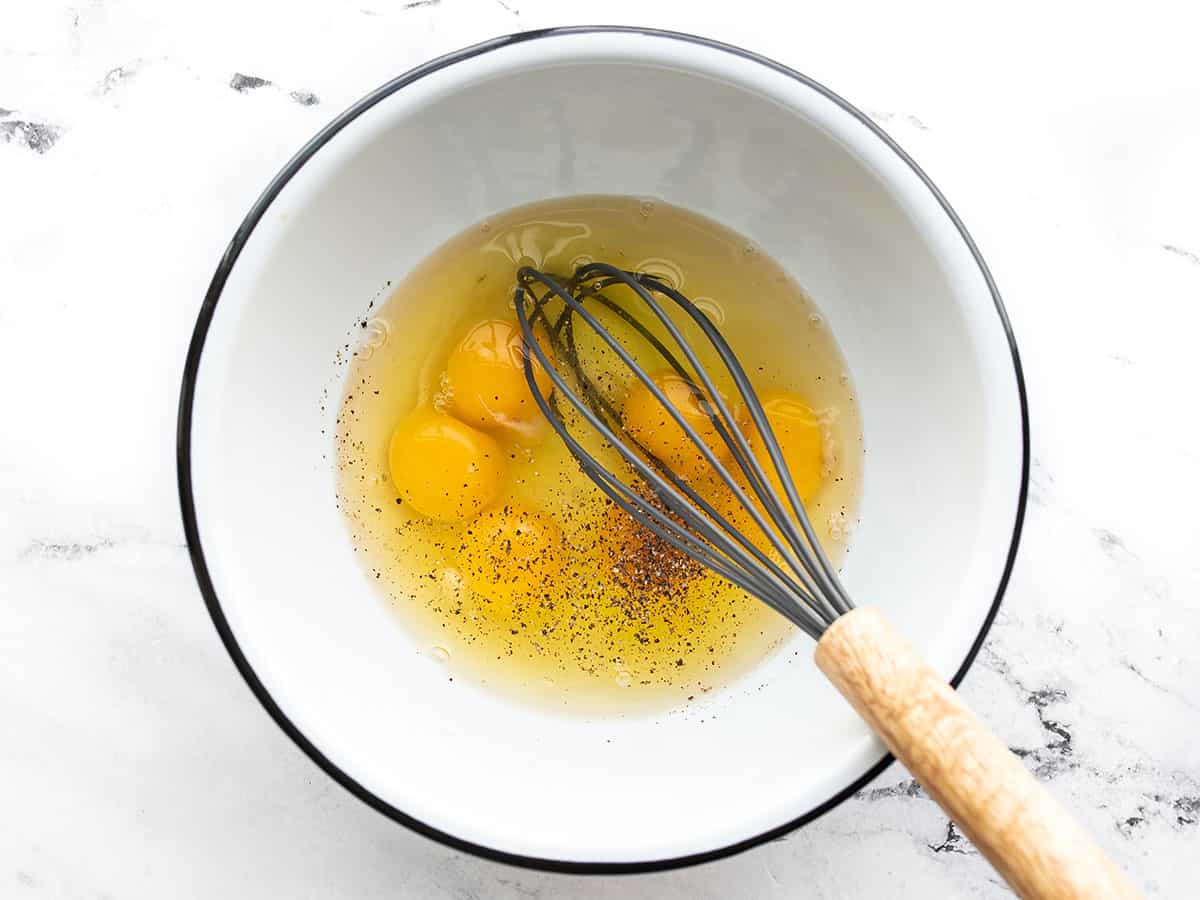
[(522, 118)]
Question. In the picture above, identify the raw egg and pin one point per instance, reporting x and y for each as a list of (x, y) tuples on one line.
[(443, 468), (798, 432), (510, 553), (649, 422), (486, 374)]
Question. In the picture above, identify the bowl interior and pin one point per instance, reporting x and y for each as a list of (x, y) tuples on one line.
[(700, 127)]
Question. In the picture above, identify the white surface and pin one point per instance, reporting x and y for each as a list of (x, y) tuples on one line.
[(134, 763), (806, 181)]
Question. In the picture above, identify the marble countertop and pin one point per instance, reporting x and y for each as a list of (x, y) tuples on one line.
[(134, 134)]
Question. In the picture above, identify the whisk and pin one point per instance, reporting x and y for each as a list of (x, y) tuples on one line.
[(1029, 838)]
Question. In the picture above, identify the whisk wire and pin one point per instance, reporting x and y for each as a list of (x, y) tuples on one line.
[(812, 597), (772, 592), (727, 427), (750, 397), (767, 580), (670, 499)]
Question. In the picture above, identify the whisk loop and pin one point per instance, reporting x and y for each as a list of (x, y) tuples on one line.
[(805, 588)]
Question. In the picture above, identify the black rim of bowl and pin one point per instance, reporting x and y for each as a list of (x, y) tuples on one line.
[(184, 462)]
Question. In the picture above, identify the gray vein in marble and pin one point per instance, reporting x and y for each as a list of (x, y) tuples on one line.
[(405, 7), (1052, 759), (1185, 810), (1055, 756), (1158, 686), (954, 842), (882, 115), (1186, 254), (114, 77), (245, 83), (1188, 809), (1041, 483), (1112, 544), (1179, 806), (516, 12), (518, 888), (64, 550), (39, 137), (775, 882), (87, 545), (1132, 822), (909, 788)]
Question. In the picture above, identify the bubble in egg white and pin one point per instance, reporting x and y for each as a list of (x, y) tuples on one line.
[(711, 308), (377, 333), (839, 527), (439, 653), (665, 270), (444, 395)]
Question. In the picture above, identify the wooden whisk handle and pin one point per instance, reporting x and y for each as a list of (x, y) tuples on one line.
[(1032, 841)]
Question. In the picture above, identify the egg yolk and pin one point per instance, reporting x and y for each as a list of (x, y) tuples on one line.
[(486, 373), (798, 432), (511, 553), (443, 468), (652, 426)]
